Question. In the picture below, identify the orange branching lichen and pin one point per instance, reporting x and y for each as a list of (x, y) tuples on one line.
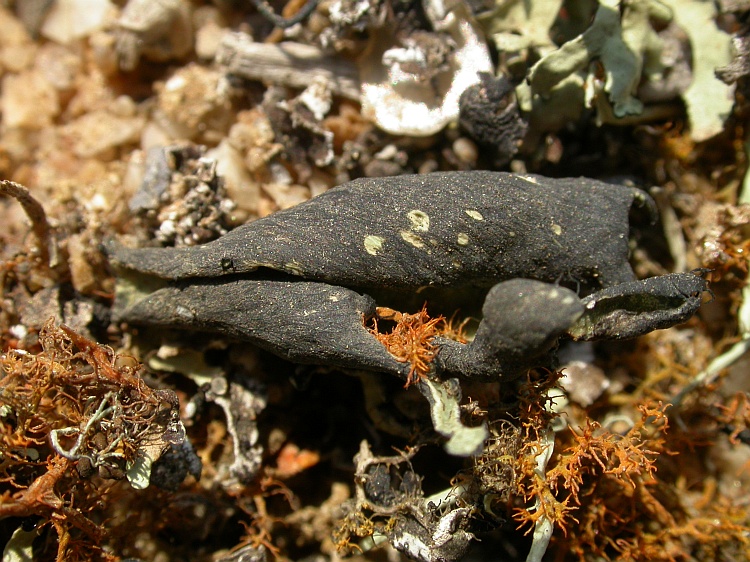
[(259, 529), (71, 418), (736, 249), (454, 330), (597, 460), (607, 483), (532, 486), (410, 341), (627, 457), (735, 415)]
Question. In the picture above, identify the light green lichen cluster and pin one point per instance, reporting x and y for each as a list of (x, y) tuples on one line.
[(444, 399), (604, 63)]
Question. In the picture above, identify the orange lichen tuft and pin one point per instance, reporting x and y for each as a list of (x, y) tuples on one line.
[(411, 339), (607, 483), (454, 330), (582, 479)]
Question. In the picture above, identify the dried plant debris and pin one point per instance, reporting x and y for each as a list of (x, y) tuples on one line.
[(389, 503), (40, 282), (46, 248), (182, 200), (75, 416), (86, 316), (291, 64), (738, 70), (721, 240), (241, 407), (240, 399), (297, 126)]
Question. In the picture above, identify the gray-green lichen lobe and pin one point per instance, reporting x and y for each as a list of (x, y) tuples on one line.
[(301, 321), (410, 231), (633, 309)]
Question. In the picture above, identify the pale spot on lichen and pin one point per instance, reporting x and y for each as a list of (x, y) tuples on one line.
[(294, 267), (373, 244), (185, 313), (476, 215), (463, 238), (420, 221), (457, 264), (413, 239), (512, 234), (557, 229), (530, 179)]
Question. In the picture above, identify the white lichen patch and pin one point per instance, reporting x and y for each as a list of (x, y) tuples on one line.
[(530, 179), (476, 215), (413, 239), (557, 229), (412, 545), (462, 239), (420, 221), (373, 244), (410, 88)]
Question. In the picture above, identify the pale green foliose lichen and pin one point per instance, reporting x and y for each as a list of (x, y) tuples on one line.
[(444, 402), (621, 42), (708, 100), (517, 24)]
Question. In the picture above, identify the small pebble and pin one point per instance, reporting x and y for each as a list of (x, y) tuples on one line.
[(466, 151)]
